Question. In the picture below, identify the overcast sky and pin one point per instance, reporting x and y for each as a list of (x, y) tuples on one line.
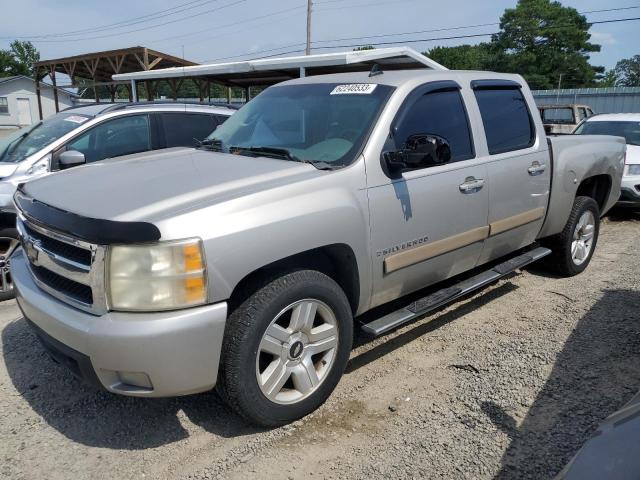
[(209, 30)]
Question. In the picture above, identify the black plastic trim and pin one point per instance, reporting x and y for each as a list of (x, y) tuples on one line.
[(491, 84), (77, 363), (93, 230)]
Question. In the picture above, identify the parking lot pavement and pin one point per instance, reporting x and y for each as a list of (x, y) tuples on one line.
[(506, 384)]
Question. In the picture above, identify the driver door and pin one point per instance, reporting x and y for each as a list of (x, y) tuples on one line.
[(429, 223)]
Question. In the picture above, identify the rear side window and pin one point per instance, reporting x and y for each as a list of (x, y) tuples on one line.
[(187, 129), (506, 119), (439, 113)]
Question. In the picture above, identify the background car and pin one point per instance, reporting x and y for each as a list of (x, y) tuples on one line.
[(625, 125), (562, 119), (87, 134)]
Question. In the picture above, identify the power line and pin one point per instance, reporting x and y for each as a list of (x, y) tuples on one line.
[(144, 28), (419, 40), (232, 24), (123, 23)]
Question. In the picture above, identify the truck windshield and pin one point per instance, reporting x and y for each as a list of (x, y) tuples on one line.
[(629, 130), (324, 124), (23, 143)]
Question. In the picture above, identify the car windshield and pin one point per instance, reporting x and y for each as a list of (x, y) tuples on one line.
[(629, 130), (25, 142), (324, 124), (557, 115)]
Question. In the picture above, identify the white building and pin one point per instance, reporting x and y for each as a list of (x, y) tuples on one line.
[(19, 103)]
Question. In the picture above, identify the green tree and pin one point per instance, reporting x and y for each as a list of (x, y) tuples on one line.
[(465, 57), (18, 59), (609, 79), (547, 43), (628, 72)]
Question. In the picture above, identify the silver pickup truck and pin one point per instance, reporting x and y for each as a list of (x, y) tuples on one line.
[(243, 263)]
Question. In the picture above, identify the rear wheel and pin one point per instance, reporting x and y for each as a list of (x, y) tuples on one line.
[(574, 246), (8, 244), (285, 348)]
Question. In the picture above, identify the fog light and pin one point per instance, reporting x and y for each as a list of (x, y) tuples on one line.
[(135, 379)]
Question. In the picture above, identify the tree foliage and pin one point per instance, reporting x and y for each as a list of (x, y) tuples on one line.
[(627, 72), (464, 57), (18, 59), (542, 40)]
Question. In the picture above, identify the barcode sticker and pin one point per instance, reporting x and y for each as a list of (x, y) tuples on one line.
[(354, 88)]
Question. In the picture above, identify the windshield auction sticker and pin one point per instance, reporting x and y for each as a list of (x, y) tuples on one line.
[(76, 119), (354, 88)]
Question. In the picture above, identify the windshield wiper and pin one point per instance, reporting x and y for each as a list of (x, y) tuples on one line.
[(210, 144), (283, 153)]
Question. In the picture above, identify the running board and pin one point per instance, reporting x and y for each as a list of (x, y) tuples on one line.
[(447, 295)]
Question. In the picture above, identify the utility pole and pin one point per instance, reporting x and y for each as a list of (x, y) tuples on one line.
[(309, 5)]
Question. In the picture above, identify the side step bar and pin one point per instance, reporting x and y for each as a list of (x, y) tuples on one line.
[(447, 295)]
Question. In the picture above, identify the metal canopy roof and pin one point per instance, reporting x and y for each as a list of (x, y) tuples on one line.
[(269, 71)]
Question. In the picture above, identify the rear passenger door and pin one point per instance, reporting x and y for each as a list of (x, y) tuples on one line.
[(184, 129), (518, 167)]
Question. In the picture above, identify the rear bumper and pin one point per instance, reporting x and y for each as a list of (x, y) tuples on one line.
[(137, 354)]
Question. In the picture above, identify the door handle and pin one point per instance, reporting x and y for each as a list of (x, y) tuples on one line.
[(536, 169), (471, 185)]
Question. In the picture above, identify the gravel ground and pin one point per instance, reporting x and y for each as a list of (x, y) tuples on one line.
[(506, 384)]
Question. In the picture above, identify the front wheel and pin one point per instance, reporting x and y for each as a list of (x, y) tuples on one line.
[(285, 348), (574, 246), (8, 244)]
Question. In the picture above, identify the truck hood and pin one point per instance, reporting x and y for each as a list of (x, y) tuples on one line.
[(154, 185), (633, 155)]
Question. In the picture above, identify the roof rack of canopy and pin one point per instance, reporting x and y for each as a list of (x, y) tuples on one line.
[(269, 71)]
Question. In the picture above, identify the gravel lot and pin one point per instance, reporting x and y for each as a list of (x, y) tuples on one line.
[(506, 384)]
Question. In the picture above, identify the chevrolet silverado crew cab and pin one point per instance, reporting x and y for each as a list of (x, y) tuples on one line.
[(86, 134), (243, 263)]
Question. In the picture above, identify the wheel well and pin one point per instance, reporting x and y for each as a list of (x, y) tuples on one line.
[(336, 261), (597, 187)]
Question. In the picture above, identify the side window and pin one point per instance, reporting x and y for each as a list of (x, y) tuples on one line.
[(439, 113), (186, 129), (4, 105), (506, 119), (582, 114), (114, 138)]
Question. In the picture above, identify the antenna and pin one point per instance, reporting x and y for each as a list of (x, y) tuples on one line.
[(375, 70)]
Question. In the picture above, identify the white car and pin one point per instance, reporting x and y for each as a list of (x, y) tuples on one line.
[(86, 134), (625, 125)]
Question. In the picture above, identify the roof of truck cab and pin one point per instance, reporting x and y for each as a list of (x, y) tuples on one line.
[(615, 117), (396, 78)]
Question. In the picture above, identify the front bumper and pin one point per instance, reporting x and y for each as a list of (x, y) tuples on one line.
[(630, 191), (177, 352)]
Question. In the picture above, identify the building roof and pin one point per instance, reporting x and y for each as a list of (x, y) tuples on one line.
[(4, 80), (100, 66), (268, 71)]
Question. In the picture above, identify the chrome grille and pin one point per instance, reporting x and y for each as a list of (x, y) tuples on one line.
[(65, 267)]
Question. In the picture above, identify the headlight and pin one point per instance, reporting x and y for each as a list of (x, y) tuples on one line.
[(632, 170), (40, 166), (161, 276)]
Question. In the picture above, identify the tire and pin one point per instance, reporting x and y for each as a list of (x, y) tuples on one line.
[(8, 243), (249, 364), (562, 260)]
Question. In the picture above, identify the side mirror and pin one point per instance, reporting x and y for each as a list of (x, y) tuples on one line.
[(71, 158), (421, 151)]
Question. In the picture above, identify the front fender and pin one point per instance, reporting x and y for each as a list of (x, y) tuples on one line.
[(244, 234)]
